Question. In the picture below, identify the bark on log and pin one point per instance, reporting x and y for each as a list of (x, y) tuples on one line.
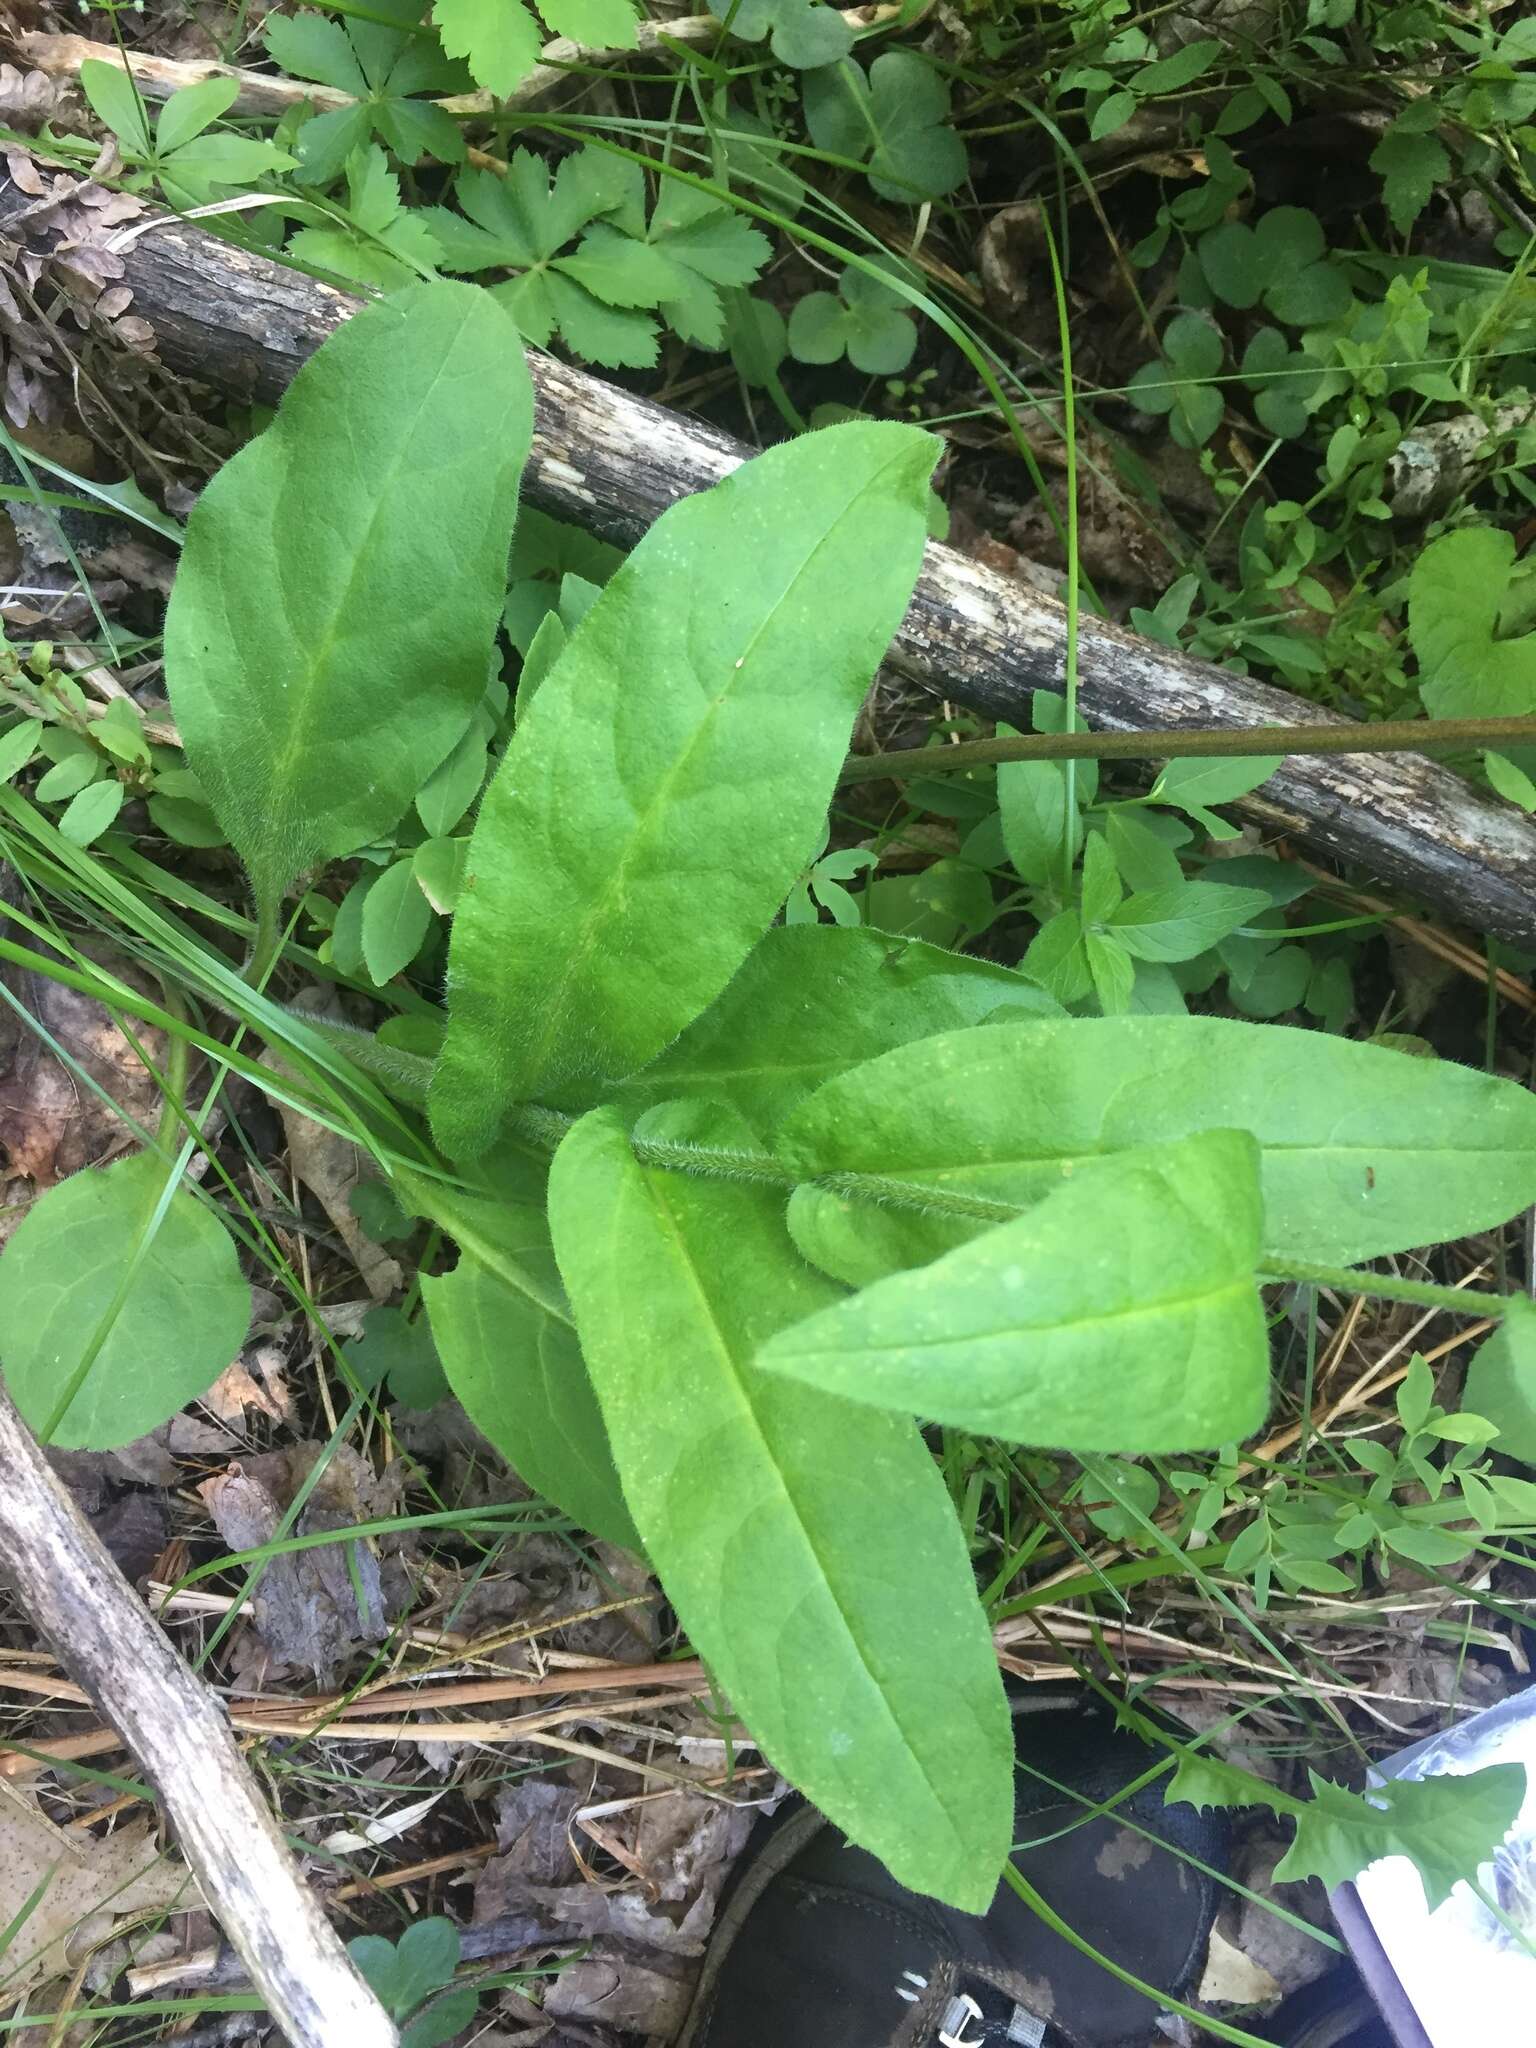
[(611, 462), (182, 1740)]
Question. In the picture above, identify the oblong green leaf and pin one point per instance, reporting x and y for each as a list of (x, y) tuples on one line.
[(510, 1352), (336, 604), (671, 778), (808, 1545), (857, 1242), (1501, 1383), (1119, 1314), (812, 1000), (182, 1317), (1364, 1151), (396, 919)]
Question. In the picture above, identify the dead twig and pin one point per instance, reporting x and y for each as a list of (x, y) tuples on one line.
[(612, 462), (180, 1739)]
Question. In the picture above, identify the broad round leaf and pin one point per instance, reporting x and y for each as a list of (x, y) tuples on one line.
[(184, 1312)]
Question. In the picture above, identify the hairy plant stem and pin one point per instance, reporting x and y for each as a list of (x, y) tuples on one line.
[(1392, 736), (1457, 1301), (544, 1128)]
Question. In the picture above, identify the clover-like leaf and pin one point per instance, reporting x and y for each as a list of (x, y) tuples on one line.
[(895, 122), (1180, 385), (1282, 381), (864, 320), (802, 33)]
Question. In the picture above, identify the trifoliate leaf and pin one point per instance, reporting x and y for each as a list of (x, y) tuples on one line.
[(803, 33), (863, 319), (894, 123)]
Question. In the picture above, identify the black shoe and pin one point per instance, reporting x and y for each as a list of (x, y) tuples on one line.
[(817, 1946)]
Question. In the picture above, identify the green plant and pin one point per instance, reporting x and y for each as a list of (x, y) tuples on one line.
[(803, 33), (864, 320), (413, 1981), (182, 152), (383, 68), (1181, 385), (665, 1139), (99, 760), (1315, 1535), (592, 294), (894, 122), (1445, 1826), (500, 39)]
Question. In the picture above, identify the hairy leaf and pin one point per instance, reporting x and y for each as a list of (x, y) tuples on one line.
[(1364, 1151), (671, 778), (336, 605), (505, 1337), (812, 1000), (182, 1305), (1120, 1314), (1501, 1382), (808, 1545)]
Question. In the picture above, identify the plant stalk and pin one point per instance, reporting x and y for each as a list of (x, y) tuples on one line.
[(1457, 1301), (1402, 735)]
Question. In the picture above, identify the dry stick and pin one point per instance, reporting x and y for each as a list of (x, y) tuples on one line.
[(1395, 736), (180, 1738), (261, 93), (612, 462)]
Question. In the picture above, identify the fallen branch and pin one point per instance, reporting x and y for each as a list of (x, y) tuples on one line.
[(181, 1739), (270, 95), (611, 462)]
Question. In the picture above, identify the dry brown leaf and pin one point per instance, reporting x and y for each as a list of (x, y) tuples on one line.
[(238, 1387), (330, 1167), (87, 1883), (52, 1124), (306, 1605)]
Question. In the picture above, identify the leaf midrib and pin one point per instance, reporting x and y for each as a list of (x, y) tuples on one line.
[(731, 1373), (300, 726), (580, 949)]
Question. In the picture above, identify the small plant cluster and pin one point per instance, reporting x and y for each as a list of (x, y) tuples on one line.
[(1310, 369), (736, 1203)]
